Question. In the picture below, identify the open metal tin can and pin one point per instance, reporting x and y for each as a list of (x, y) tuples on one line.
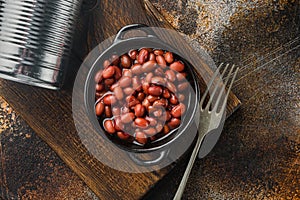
[(35, 40)]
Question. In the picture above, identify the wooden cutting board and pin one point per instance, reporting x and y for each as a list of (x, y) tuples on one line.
[(49, 113)]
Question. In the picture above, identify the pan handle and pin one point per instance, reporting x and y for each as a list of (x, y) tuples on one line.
[(142, 162), (142, 27)]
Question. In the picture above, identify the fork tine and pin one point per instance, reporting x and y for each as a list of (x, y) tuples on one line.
[(216, 87), (228, 91), (210, 84), (223, 88)]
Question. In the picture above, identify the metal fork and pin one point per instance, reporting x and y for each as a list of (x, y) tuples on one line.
[(212, 117)]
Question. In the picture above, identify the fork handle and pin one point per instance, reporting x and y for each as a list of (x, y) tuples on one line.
[(188, 170)]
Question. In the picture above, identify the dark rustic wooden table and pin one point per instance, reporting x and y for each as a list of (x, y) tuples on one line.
[(257, 156)]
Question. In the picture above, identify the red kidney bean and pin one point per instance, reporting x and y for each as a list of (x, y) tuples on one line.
[(146, 103), (150, 132), (132, 54), (127, 72), (149, 77), (161, 61), (139, 110), (158, 80), (99, 109), (125, 81), (99, 87), (143, 56), (171, 87), (166, 129), (174, 123), (169, 57), (108, 112), (181, 97), (127, 117), (177, 66), (155, 90), (168, 115), (109, 81), (136, 83), (106, 63), (159, 72), (109, 99), (166, 93), (178, 110), (116, 111), (141, 96), (181, 76), (98, 77), (183, 86), (131, 101), (152, 98), (173, 99), (125, 61), (152, 57), (118, 92), (122, 135), (158, 52), (128, 91), (159, 127), (170, 75), (151, 120), (109, 127), (160, 103), (108, 72), (137, 69), (118, 73), (119, 126), (140, 137), (149, 66), (145, 87), (115, 60), (141, 122)]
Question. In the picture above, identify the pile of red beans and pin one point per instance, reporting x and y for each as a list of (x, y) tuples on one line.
[(140, 95)]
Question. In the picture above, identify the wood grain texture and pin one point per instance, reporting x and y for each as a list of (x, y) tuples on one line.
[(49, 113)]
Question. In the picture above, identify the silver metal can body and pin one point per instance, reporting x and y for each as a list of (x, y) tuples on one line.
[(35, 40)]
